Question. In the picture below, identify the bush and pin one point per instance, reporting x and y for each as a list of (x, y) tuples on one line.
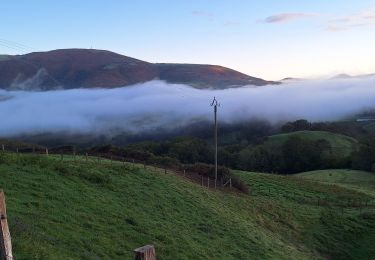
[(165, 161)]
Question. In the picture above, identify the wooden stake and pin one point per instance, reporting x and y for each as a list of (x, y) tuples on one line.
[(5, 240), (145, 253)]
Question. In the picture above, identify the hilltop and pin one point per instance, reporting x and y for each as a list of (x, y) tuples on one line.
[(90, 68)]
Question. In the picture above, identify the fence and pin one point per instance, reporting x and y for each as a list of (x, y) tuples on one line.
[(70, 153)]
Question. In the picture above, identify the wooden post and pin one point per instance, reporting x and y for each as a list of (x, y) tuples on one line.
[(230, 183), (145, 253), (17, 150), (47, 151), (208, 182), (165, 170), (87, 157), (184, 172), (202, 180), (5, 240)]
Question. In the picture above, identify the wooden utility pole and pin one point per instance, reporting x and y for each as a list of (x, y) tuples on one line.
[(5, 241), (215, 104), (145, 253)]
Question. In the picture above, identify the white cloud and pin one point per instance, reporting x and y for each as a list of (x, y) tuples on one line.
[(287, 17), (361, 19)]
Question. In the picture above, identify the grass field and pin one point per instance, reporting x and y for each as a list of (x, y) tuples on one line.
[(356, 180), (341, 144), (77, 210)]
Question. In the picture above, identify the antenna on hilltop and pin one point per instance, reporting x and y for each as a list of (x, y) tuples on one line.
[(215, 104)]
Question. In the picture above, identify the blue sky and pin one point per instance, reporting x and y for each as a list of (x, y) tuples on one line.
[(271, 39)]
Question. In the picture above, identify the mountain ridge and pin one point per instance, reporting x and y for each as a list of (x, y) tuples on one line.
[(91, 68)]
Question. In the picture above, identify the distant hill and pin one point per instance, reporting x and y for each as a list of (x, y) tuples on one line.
[(341, 144), (89, 68), (206, 76), (347, 76)]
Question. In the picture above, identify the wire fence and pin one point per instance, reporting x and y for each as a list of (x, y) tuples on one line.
[(69, 153)]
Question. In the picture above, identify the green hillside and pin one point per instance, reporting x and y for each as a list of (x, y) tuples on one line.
[(341, 144), (86, 210), (357, 180)]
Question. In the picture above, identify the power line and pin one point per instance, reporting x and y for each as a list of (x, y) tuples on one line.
[(19, 47)]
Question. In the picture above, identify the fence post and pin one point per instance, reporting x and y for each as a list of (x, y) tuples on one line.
[(184, 172), (87, 157), (5, 240), (145, 253), (202, 180), (46, 151), (165, 170)]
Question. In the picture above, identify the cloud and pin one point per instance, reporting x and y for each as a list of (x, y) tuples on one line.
[(361, 19), (287, 17), (202, 14), (154, 105)]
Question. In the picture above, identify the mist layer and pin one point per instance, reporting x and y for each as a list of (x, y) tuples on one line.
[(156, 105)]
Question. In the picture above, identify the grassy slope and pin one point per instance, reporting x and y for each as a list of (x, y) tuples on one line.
[(341, 144), (60, 210), (356, 180)]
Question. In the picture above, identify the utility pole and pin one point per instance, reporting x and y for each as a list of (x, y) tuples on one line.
[(215, 104)]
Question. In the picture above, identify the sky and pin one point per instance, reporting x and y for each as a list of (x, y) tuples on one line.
[(271, 39)]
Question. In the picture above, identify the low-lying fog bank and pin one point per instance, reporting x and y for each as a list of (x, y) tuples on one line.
[(158, 105)]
